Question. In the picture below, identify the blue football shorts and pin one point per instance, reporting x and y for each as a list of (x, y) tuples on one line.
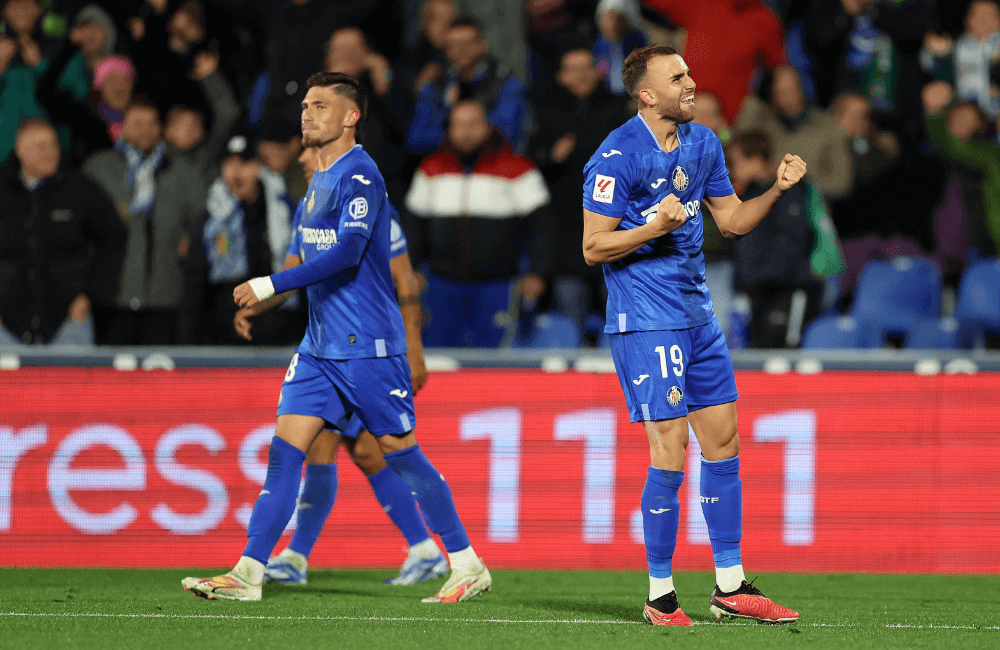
[(349, 426), (377, 391), (665, 374)]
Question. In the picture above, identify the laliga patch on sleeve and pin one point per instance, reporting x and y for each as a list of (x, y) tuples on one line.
[(604, 189)]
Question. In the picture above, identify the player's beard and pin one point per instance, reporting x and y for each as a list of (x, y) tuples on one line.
[(315, 140), (676, 114)]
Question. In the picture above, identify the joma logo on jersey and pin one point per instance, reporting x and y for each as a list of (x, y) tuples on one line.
[(690, 209), (318, 236), (604, 189)]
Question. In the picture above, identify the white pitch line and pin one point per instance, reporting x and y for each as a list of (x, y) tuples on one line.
[(430, 619)]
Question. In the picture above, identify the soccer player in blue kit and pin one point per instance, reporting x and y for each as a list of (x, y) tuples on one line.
[(642, 198), (424, 559), (352, 359)]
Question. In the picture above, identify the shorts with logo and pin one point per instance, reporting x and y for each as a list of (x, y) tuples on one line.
[(377, 391), (665, 374)]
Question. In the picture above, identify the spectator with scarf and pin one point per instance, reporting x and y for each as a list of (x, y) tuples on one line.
[(969, 63), (160, 197), (246, 235)]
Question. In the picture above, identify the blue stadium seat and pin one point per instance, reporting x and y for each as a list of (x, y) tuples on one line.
[(978, 307), (933, 334), (593, 323), (832, 332), (554, 330), (893, 295)]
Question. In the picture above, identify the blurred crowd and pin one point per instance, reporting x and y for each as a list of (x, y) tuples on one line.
[(150, 155)]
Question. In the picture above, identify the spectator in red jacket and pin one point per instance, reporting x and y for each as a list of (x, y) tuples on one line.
[(726, 41)]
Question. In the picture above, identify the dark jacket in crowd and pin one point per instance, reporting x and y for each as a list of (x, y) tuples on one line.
[(590, 120), (773, 267), (492, 85), (383, 133), (293, 50), (60, 240), (475, 214), (776, 252)]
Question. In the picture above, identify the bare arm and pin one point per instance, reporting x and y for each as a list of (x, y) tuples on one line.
[(736, 218), (408, 296), (242, 322), (602, 243)]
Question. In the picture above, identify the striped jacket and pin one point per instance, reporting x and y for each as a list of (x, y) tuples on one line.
[(475, 217)]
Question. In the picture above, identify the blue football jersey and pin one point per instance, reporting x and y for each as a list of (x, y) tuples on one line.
[(397, 238), (661, 286), (354, 314)]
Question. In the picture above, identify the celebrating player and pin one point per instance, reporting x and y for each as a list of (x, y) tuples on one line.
[(424, 560), (352, 358), (642, 220)]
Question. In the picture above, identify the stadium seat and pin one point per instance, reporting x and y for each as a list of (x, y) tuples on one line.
[(593, 323), (832, 332), (893, 295), (554, 330), (933, 333), (978, 306)]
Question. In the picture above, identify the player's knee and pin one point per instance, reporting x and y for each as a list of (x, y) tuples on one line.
[(390, 443), (323, 450), (369, 460), (724, 444)]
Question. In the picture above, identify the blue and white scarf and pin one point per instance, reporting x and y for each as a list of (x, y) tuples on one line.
[(225, 234), (141, 176), (973, 59)]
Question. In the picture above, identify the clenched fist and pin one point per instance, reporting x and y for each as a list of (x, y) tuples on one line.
[(790, 171), (670, 215)]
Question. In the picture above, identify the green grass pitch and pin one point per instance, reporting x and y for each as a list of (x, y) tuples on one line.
[(147, 609)]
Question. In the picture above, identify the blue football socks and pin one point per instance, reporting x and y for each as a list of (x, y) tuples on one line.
[(432, 493), (276, 502), (398, 503), (660, 518), (722, 503), (315, 504)]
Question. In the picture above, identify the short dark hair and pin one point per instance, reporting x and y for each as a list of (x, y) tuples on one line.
[(467, 21), (753, 144), (634, 68), (342, 84)]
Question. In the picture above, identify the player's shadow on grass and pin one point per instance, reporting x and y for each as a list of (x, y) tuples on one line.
[(621, 612)]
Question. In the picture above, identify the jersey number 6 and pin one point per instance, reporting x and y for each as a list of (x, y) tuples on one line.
[(676, 357)]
